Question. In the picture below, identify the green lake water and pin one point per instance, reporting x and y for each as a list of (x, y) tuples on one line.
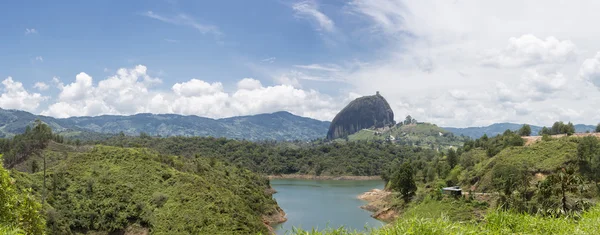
[(324, 203)]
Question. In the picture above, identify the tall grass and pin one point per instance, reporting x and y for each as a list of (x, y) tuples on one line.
[(495, 223)]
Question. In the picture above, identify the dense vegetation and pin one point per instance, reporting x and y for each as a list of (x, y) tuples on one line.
[(114, 189), (360, 158), (558, 128), (19, 210), (548, 187)]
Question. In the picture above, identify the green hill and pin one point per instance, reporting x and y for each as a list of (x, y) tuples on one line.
[(542, 157), (420, 134), (112, 189)]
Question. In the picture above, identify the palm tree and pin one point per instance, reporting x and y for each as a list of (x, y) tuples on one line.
[(566, 181)]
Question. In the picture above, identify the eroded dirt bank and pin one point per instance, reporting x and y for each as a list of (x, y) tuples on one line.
[(378, 203)]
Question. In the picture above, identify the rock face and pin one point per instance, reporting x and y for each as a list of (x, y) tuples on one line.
[(362, 113)]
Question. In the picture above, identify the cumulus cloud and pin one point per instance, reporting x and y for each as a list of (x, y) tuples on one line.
[(249, 84), (310, 10), (41, 86), (130, 91), (539, 86), (14, 96), (529, 50), (590, 70), (437, 59)]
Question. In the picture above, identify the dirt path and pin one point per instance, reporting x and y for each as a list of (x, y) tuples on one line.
[(529, 140)]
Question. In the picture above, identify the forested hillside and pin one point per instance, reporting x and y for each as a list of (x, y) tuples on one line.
[(361, 158), (114, 189), (274, 126)]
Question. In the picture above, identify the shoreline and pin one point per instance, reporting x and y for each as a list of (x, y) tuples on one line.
[(323, 177), (378, 204)]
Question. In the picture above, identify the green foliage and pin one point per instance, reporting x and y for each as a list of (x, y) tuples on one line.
[(110, 188), (558, 128), (455, 210), (32, 142), (498, 222), (538, 157), (598, 128), (506, 178), (495, 144), (452, 158), (333, 158), (588, 149), (565, 180), (403, 182), (19, 210), (525, 130)]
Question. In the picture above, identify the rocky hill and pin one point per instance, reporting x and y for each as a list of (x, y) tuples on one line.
[(273, 126), (362, 113)]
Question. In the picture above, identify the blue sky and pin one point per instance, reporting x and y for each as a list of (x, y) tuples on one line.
[(456, 63), (75, 36)]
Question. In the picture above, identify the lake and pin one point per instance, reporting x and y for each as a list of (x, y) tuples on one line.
[(324, 203)]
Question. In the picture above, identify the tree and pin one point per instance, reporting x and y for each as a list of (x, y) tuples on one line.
[(565, 181), (408, 120), (42, 134), (525, 130), (545, 131), (598, 128), (588, 149), (452, 158), (403, 182)]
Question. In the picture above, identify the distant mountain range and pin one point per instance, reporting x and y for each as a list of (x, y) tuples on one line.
[(499, 128), (273, 126)]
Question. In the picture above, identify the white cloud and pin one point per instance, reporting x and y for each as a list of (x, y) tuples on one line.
[(39, 58), (197, 87), (310, 10), (14, 96), (590, 70), (185, 20), (528, 50), (249, 84), (129, 92), (269, 60), (328, 68), (30, 31), (539, 86), (430, 55), (41, 86)]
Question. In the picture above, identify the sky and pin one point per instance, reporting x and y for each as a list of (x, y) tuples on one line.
[(453, 63)]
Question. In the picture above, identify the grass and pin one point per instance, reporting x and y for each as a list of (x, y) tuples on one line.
[(455, 210), (494, 223)]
